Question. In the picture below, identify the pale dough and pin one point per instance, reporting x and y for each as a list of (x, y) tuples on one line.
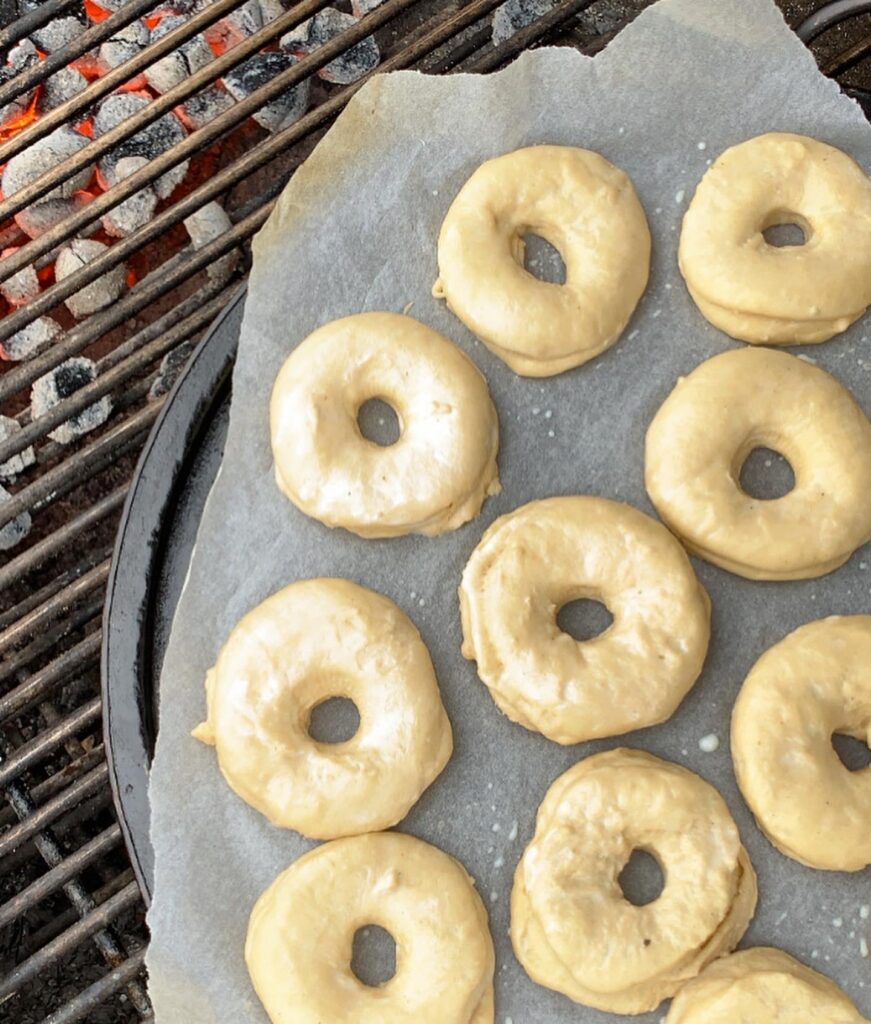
[(434, 478), (547, 553), (813, 683), (780, 294), (302, 928), (572, 928), (313, 640), (761, 986), (583, 206), (759, 398)]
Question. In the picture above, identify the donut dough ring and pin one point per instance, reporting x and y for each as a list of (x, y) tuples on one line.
[(534, 560), (571, 927), (765, 986), (434, 478), (302, 928), (588, 210), (709, 424), (774, 295), (313, 640), (813, 683)]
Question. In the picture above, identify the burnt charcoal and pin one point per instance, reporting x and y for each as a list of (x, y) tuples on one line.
[(42, 156), (14, 466), (21, 57), (125, 44), (13, 533), (60, 383), (57, 34), (96, 295), (169, 370), (138, 209), (272, 9), (361, 7), (60, 87), (514, 15), (204, 225), (206, 105), (22, 287), (35, 220), (36, 337), (349, 66), (150, 142), (247, 19), (175, 67), (242, 81)]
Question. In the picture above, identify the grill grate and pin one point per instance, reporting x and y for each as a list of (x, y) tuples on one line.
[(72, 933)]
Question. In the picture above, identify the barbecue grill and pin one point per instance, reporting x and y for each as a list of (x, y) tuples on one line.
[(131, 188)]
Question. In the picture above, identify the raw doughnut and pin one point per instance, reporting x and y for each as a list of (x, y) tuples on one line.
[(314, 640), (588, 210), (434, 478), (302, 928), (778, 295), (812, 684), (765, 986), (709, 424), (571, 926), (547, 553)]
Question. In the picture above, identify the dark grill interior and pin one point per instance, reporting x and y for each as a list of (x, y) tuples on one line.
[(196, 152)]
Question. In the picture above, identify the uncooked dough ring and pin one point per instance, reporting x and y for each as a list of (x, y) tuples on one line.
[(779, 295), (812, 684), (765, 986), (571, 926), (547, 553), (434, 478), (588, 210), (302, 929), (709, 424), (313, 640)]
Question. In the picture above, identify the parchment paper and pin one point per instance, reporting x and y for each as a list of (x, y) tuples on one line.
[(356, 230)]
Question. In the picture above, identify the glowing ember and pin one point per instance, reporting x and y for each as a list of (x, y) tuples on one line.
[(18, 124), (95, 11)]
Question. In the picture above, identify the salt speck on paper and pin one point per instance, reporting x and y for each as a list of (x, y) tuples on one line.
[(679, 195)]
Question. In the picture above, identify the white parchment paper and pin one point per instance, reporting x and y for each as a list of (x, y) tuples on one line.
[(356, 230)]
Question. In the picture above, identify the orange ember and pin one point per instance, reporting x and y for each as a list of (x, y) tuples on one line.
[(131, 278), (153, 20), (95, 11), (18, 124), (86, 128)]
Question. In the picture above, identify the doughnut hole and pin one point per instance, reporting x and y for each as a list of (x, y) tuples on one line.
[(766, 474), (378, 422), (783, 229), (642, 879), (373, 955), (543, 260), (584, 618), (334, 720), (853, 752)]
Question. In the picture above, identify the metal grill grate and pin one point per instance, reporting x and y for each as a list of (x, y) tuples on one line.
[(72, 932)]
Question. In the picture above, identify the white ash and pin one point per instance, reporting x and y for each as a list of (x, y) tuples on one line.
[(514, 15), (204, 225), (60, 383), (150, 142), (125, 44), (23, 286), (349, 66), (35, 220), (138, 209), (60, 87), (42, 156), (36, 337), (13, 533), (15, 465), (272, 9), (205, 106), (57, 34), (178, 65), (96, 295), (247, 78), (247, 19), (169, 370)]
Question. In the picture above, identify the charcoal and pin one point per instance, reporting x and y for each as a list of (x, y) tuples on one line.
[(514, 15), (35, 220), (138, 209), (125, 44), (22, 287), (13, 533), (247, 78), (206, 224), (324, 26), (169, 370), (96, 295), (205, 106), (247, 19), (361, 7), (60, 87), (111, 5), (36, 337), (150, 142), (178, 65), (14, 466), (57, 34), (272, 9), (40, 157), (21, 57), (60, 383)]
